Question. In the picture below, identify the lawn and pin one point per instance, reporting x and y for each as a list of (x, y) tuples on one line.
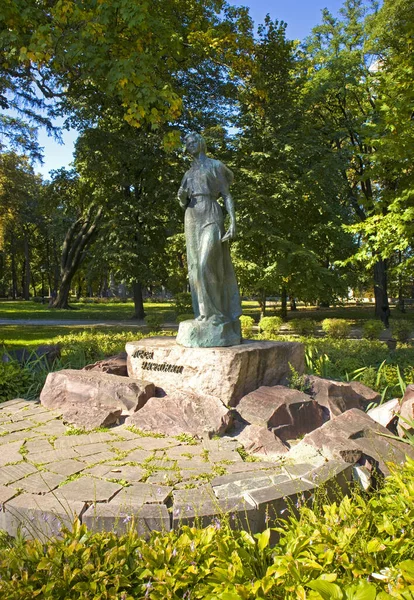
[(110, 311)]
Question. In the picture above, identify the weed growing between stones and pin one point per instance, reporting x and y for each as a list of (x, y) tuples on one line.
[(186, 438), (141, 433)]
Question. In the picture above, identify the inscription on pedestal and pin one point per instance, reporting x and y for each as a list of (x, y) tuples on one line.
[(165, 367), (143, 354)]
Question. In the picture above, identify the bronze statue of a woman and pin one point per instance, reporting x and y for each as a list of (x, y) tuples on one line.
[(214, 291)]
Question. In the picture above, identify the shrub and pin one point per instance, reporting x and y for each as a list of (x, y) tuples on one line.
[(182, 303), (402, 330), (246, 323), (270, 325), (14, 380), (371, 329), (303, 326), (187, 317), (154, 321), (336, 328)]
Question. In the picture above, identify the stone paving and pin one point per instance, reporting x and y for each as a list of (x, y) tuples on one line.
[(50, 473)]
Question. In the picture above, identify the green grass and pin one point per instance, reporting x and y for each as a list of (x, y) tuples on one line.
[(107, 311), (32, 336), (20, 309)]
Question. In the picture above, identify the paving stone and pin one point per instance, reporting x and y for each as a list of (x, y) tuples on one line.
[(88, 489), (185, 452), (37, 446), (138, 456), (196, 473), (246, 467), (94, 459), (12, 405), (216, 457), (10, 453), (18, 436), (144, 493), (334, 476), (70, 441), (165, 478), (297, 470), (144, 518), (39, 517), (52, 456), (14, 473), (98, 470), (239, 477), (6, 493), (128, 473), (242, 513), (127, 446), (150, 443), (126, 433), (52, 428), (41, 483), (193, 496), (66, 467), (277, 501), (92, 449), (44, 417), (18, 426)]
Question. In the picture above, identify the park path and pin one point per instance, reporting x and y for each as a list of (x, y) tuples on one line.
[(80, 322)]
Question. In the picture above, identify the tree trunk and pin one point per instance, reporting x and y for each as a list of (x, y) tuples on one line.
[(26, 279), (401, 302), (262, 304), (77, 238), (13, 267), (382, 308), (138, 300), (283, 311)]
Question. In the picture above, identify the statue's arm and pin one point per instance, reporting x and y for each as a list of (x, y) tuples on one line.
[(229, 204), (183, 193), (226, 177)]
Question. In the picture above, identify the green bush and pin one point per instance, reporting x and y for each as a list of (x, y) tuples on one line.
[(14, 380), (186, 317), (154, 321), (358, 547), (402, 330), (336, 328), (270, 325), (372, 329), (303, 326), (182, 303), (247, 324)]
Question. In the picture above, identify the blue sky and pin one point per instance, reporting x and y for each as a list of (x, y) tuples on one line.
[(300, 15)]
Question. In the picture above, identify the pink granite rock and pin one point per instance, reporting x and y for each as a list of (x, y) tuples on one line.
[(113, 365), (70, 386), (183, 413), (336, 396), (288, 412)]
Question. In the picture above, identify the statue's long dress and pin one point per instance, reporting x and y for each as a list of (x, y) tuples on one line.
[(213, 284)]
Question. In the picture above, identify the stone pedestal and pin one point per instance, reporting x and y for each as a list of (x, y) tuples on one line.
[(225, 373)]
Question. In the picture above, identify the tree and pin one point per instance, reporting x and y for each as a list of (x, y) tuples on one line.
[(288, 208)]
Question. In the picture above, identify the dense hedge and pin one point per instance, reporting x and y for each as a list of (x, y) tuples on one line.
[(358, 548)]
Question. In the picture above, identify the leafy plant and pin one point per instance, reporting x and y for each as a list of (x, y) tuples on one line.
[(402, 330), (183, 303), (270, 325), (303, 326), (154, 321), (336, 328), (372, 329), (14, 380), (247, 324)]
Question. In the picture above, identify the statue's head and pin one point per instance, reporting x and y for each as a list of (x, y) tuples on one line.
[(195, 144)]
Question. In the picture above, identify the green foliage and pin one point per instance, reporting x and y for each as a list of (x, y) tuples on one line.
[(185, 317), (182, 303), (372, 329), (402, 330), (270, 325), (247, 324), (154, 321), (297, 381), (303, 326), (14, 381), (336, 328), (355, 548)]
